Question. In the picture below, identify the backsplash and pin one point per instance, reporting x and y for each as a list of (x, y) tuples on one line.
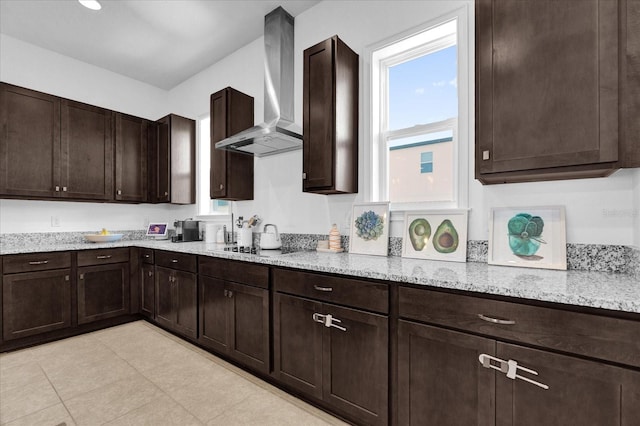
[(585, 257)]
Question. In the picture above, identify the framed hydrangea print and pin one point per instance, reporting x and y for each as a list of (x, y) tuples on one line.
[(370, 229), (530, 237)]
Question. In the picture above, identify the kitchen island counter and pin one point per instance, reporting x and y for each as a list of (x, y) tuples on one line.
[(611, 291)]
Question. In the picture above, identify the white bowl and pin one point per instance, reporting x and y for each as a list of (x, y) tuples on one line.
[(97, 238)]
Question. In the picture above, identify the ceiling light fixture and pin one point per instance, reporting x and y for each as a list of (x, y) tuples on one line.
[(91, 4)]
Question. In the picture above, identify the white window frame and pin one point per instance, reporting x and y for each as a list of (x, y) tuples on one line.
[(375, 150), (203, 202)]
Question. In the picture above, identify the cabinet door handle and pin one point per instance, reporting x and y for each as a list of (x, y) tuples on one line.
[(38, 262), (230, 294), (226, 293), (82, 276), (319, 288), (57, 188), (104, 256), (66, 277), (174, 260), (119, 192), (64, 189), (304, 176), (221, 186), (150, 273), (146, 256), (496, 320), (510, 369), (166, 193)]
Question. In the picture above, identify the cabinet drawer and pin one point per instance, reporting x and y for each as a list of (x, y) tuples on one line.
[(240, 272), (344, 291), (102, 256), (146, 255), (35, 262), (596, 336), (181, 261)]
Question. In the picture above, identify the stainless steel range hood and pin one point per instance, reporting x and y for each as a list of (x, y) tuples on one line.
[(278, 133)]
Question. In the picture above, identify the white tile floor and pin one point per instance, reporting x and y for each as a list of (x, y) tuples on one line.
[(137, 374)]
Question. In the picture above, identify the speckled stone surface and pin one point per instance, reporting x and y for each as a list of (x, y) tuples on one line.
[(634, 262), (598, 257), (477, 251), (53, 238), (607, 290)]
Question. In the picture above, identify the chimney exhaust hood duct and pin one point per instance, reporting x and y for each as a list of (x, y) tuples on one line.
[(278, 133)]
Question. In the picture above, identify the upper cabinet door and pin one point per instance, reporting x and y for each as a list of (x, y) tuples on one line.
[(546, 88), (29, 143), (330, 118), (231, 172), (630, 89), (131, 158), (87, 151)]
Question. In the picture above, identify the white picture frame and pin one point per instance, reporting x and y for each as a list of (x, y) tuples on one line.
[(517, 239), (364, 239), (420, 239)]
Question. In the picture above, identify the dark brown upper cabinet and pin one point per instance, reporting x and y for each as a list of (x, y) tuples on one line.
[(29, 142), (630, 89), (131, 158), (330, 118), (172, 160), (548, 90), (53, 147), (86, 151), (231, 172)]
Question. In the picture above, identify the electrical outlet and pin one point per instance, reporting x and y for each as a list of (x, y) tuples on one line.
[(55, 221)]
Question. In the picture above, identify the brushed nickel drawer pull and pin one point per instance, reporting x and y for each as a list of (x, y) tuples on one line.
[(174, 260), (147, 256), (38, 262), (82, 276), (104, 256), (496, 320), (319, 288)]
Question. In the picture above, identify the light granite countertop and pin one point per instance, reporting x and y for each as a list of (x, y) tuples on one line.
[(613, 291)]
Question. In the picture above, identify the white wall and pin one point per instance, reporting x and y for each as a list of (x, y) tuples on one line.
[(278, 195), (27, 65)]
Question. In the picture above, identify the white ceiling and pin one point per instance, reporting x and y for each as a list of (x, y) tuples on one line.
[(160, 42)]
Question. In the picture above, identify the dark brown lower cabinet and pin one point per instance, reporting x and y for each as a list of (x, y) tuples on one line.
[(35, 302), (176, 301), (234, 320), (344, 365), (580, 392), (441, 381), (103, 292), (147, 290)]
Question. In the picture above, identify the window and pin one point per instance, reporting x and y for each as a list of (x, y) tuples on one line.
[(426, 162), (419, 115), (207, 206)]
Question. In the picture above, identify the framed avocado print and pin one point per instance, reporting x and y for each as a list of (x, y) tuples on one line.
[(529, 237), (435, 235), (370, 229)]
